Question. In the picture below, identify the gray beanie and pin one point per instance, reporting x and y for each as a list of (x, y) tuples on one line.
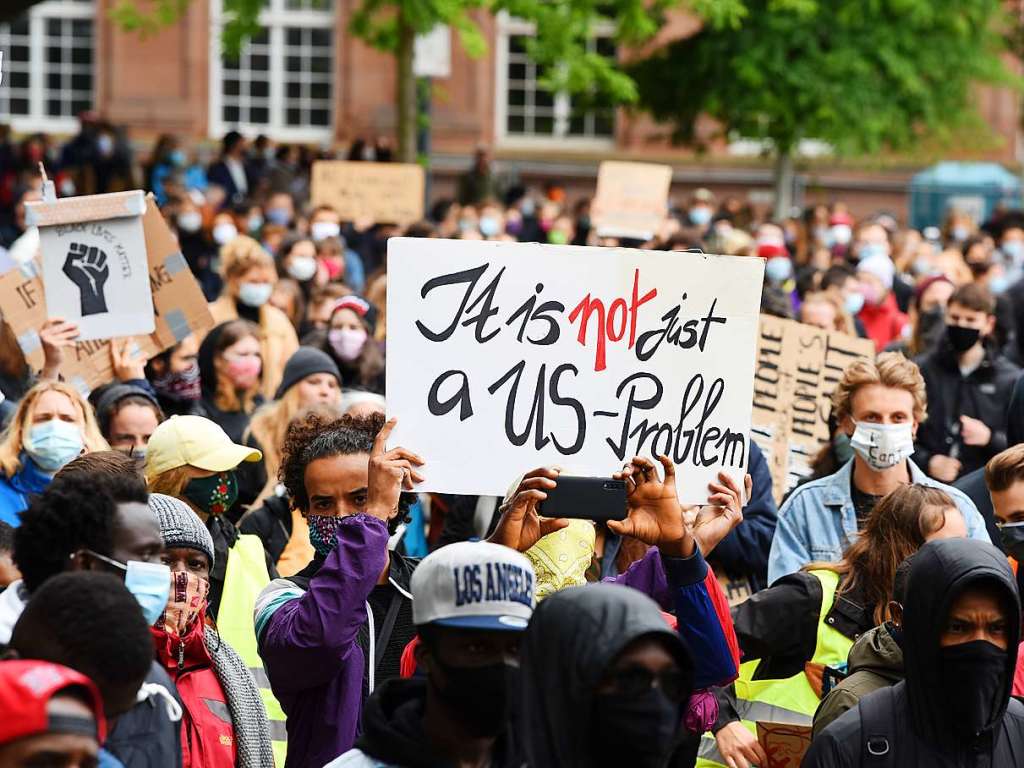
[(180, 526)]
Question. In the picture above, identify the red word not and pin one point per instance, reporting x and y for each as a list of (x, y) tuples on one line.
[(610, 325)]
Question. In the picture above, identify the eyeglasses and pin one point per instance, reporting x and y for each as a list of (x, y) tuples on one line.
[(636, 681)]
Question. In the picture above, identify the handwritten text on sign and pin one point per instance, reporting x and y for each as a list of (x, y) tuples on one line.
[(507, 356)]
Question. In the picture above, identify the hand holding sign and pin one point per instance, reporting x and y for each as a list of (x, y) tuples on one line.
[(55, 335), (724, 512), (86, 267), (127, 360), (655, 515), (389, 472), (520, 527)]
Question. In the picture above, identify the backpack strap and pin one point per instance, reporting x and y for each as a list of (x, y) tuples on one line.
[(876, 728)]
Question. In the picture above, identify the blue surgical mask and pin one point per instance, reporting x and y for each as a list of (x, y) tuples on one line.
[(701, 216), (527, 207), (778, 269), (872, 249), (489, 226), (279, 216), (1013, 250), (255, 294), (52, 444), (254, 224), (999, 284), (854, 302), (177, 157), (149, 583)]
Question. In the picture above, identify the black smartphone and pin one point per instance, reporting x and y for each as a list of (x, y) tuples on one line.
[(586, 498)]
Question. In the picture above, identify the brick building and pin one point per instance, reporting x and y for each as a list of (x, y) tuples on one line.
[(305, 79)]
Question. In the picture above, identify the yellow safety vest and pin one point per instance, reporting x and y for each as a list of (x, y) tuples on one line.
[(791, 700), (245, 578)]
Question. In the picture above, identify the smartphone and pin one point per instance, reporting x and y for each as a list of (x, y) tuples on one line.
[(586, 498)]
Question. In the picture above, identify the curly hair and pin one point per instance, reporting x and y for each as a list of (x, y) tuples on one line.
[(76, 511), (319, 437), (889, 369)]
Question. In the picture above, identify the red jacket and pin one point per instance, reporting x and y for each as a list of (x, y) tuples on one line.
[(884, 323), (207, 734)]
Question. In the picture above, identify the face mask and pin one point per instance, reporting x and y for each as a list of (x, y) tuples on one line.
[(883, 445), (959, 233), (255, 294), (466, 224), (185, 602), (302, 268), (972, 676), (514, 227), (922, 267), (869, 250), (999, 284), (254, 224), (930, 319), (872, 295), (778, 269), (105, 145), (321, 230), (557, 237), (224, 233), (138, 455), (215, 494), (177, 157), (190, 221), (322, 530), (1013, 250), (854, 302), (489, 226), (347, 343), (280, 216), (478, 696), (54, 443), (1012, 537), (182, 386), (962, 339), (634, 730), (244, 372), (824, 236), (149, 583), (701, 217), (841, 234)]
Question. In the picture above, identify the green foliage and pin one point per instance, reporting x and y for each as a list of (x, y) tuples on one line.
[(863, 75)]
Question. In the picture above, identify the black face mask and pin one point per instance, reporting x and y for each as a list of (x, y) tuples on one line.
[(929, 320), (478, 696), (962, 339), (638, 731), (1012, 537), (972, 676)]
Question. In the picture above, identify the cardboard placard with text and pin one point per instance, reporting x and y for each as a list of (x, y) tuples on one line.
[(503, 357), (390, 193), (631, 199), (179, 308), (798, 367), (784, 744)]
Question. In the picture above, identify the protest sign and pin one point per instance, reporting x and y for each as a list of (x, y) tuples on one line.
[(631, 199), (94, 263), (798, 367), (382, 192), (507, 356), (785, 745), (178, 305)]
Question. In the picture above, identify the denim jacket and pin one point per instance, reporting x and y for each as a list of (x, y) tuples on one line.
[(818, 521)]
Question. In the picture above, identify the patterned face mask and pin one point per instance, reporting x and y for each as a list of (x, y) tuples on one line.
[(185, 603), (322, 530), (214, 494)]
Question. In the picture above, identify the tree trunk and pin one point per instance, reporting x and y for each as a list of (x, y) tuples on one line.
[(783, 181), (406, 93)]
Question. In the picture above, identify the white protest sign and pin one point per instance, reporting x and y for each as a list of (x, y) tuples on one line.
[(95, 270), (507, 356)]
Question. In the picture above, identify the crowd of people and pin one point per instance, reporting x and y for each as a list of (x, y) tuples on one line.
[(215, 559)]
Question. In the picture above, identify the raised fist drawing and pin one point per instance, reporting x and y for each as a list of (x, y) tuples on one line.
[(86, 267)]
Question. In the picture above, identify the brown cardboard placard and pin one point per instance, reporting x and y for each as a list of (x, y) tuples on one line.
[(389, 193), (798, 367), (178, 305), (631, 199), (784, 744)]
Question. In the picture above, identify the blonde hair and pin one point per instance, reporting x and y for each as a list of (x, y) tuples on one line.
[(241, 254), (889, 369), (1005, 469), (170, 482), (13, 440)]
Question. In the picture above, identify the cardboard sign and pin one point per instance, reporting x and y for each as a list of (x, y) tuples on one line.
[(383, 192), (798, 368), (94, 263), (178, 305), (784, 744), (631, 199), (503, 357)]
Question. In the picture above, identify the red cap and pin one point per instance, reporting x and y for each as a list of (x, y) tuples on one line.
[(841, 217), (26, 688), (768, 250)]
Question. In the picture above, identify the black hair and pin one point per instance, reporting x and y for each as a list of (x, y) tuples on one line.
[(6, 537), (231, 139), (90, 622), (836, 276), (76, 511)]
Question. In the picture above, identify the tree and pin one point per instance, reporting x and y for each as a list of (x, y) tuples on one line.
[(863, 75)]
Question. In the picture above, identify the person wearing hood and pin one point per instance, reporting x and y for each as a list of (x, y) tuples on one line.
[(882, 319), (224, 722), (469, 628), (127, 417), (52, 425), (969, 383), (875, 660), (230, 366), (960, 635), (249, 277)]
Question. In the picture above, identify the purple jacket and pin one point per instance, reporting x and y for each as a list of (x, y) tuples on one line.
[(309, 646)]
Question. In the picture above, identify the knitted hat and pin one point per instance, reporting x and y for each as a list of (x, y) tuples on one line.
[(305, 362), (180, 526), (881, 267)]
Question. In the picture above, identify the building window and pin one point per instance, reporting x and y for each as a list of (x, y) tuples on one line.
[(527, 112), (281, 84), (48, 66)]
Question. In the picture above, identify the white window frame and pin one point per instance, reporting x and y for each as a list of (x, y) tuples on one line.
[(274, 19), (37, 120), (508, 26)]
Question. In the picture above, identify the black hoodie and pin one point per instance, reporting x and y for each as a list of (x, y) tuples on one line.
[(924, 733), (573, 638)]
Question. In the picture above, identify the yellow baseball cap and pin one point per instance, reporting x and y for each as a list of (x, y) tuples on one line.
[(194, 441)]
